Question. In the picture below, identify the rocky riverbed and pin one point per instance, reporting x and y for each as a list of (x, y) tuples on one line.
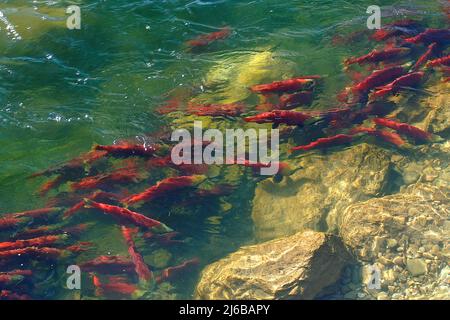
[(372, 238)]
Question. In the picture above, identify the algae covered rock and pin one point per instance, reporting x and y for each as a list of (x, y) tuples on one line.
[(295, 267), (319, 190), (406, 236), (230, 78)]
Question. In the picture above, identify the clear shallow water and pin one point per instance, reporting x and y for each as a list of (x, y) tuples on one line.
[(62, 91)]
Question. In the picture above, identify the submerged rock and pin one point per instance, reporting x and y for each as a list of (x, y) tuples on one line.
[(315, 195), (231, 77), (438, 118), (430, 112), (416, 267), (417, 218), (429, 164), (295, 267)]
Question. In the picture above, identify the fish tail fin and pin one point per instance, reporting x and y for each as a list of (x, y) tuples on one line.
[(36, 174)]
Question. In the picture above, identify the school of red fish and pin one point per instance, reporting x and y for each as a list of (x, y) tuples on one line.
[(99, 180)]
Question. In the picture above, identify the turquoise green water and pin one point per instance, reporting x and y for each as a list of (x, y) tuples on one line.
[(63, 90)]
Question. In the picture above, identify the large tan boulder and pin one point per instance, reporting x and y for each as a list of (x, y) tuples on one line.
[(295, 267), (407, 237), (315, 195)]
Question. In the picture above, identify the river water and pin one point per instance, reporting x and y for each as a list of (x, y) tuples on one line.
[(61, 91)]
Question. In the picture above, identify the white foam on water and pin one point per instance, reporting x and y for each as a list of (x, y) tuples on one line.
[(10, 30)]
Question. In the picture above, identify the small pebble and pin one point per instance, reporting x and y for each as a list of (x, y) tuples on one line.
[(398, 261), (416, 267), (382, 296)]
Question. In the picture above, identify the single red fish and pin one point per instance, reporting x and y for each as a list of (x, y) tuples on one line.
[(120, 176), (114, 287), (206, 39), (397, 28), (163, 187), (73, 168), (171, 106), (141, 267), (404, 128), (217, 110), (430, 35), (97, 285), (408, 80), (376, 79), (172, 273), (326, 142), (378, 56), (387, 136), (51, 184), (51, 230), (125, 149), (10, 222), (35, 214), (277, 117), (99, 195), (18, 272), (127, 215), (159, 162), (289, 85), (32, 232), (35, 242), (34, 252), (108, 265), (186, 169), (80, 247), (293, 100), (439, 61), (74, 209), (426, 56)]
